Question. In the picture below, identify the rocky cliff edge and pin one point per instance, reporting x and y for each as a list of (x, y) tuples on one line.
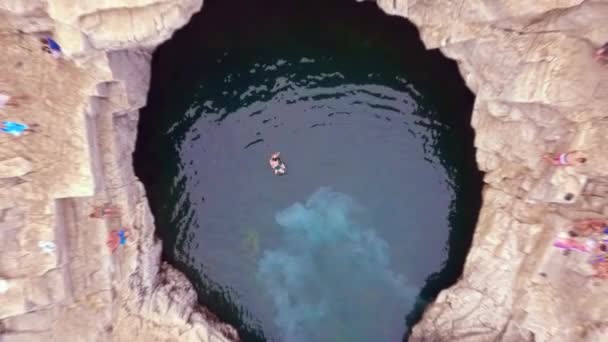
[(58, 279), (538, 89)]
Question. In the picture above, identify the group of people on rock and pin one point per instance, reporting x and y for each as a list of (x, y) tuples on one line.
[(117, 237), (7, 99), (594, 232), (589, 236)]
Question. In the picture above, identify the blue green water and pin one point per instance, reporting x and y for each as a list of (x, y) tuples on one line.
[(376, 213)]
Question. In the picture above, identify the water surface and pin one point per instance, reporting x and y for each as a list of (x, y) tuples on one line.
[(376, 212)]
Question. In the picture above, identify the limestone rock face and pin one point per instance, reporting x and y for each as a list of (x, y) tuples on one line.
[(14, 167), (103, 25), (59, 281), (538, 90)]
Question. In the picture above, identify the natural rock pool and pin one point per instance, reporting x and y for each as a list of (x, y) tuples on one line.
[(376, 213)]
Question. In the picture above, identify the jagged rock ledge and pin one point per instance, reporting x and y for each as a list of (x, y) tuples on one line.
[(87, 109), (538, 89)]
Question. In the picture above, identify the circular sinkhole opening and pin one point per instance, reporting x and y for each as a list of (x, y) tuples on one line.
[(376, 212)]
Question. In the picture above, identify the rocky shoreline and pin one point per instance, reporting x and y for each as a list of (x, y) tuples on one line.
[(86, 107), (538, 90)]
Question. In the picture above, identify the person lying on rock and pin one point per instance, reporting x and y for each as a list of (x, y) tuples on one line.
[(117, 238), (17, 128), (602, 53), (49, 45), (105, 210), (588, 227), (277, 165), (572, 158), (568, 242), (10, 100), (599, 253)]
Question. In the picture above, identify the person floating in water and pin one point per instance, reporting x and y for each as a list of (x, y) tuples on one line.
[(277, 165), (16, 128), (571, 158)]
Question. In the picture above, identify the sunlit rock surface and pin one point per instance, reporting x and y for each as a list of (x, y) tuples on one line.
[(538, 90), (58, 279)]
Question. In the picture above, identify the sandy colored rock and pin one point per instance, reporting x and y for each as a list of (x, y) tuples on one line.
[(538, 90), (59, 281), (14, 167)]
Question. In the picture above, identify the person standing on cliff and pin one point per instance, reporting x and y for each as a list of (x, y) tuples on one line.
[(105, 210)]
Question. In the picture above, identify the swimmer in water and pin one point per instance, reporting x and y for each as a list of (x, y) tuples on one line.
[(277, 165)]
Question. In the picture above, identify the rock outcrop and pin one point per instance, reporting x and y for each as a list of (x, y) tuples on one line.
[(539, 90), (58, 279)]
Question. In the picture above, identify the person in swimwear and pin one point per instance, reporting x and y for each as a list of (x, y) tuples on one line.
[(599, 253), (602, 53), (105, 210), (16, 128), (117, 238), (601, 269), (277, 165), (50, 46), (569, 243), (588, 227), (572, 158)]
